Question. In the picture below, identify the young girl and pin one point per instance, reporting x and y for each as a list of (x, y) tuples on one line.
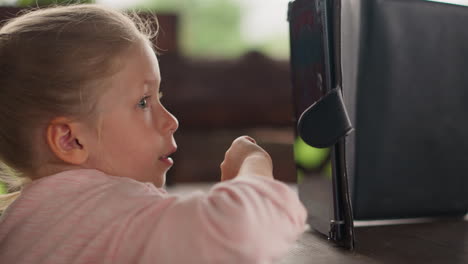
[(81, 118)]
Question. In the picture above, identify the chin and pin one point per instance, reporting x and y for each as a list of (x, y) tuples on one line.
[(160, 181)]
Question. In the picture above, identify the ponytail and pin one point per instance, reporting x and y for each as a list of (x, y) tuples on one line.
[(14, 183)]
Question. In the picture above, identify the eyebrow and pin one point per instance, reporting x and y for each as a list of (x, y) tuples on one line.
[(151, 82)]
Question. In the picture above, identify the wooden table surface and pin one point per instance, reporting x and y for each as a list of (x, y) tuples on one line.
[(436, 242), (444, 241)]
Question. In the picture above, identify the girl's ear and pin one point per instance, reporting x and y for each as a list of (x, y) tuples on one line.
[(66, 141)]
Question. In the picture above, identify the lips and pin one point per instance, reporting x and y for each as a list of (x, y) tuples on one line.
[(166, 157)]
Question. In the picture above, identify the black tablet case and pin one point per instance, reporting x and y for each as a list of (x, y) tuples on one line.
[(322, 120), (401, 65), (406, 89)]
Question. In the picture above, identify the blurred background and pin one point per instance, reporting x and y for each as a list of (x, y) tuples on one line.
[(211, 28), (226, 72), (225, 68)]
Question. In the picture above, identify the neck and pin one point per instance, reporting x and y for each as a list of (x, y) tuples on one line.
[(53, 168)]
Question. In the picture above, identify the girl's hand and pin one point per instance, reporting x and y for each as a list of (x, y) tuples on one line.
[(246, 157)]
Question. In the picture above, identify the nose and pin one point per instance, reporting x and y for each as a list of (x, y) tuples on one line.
[(169, 121)]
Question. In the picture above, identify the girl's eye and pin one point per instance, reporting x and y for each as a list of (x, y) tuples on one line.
[(143, 102)]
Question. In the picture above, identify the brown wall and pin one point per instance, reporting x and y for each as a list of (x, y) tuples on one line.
[(216, 101)]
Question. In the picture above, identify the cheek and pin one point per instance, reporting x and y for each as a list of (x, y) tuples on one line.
[(121, 139), (131, 145), (148, 118), (129, 156)]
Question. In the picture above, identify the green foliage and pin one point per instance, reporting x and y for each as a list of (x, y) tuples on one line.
[(215, 29), (208, 28), (276, 46)]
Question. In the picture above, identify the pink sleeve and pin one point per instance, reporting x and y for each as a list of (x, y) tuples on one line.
[(246, 220)]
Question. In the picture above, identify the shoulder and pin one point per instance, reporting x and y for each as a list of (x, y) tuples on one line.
[(86, 191), (83, 180)]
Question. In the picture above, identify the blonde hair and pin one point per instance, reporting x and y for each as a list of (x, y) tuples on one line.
[(52, 61)]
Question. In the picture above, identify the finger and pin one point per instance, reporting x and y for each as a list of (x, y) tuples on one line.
[(250, 139)]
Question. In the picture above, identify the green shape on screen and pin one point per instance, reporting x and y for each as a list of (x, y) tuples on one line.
[(327, 170), (300, 176), (309, 157)]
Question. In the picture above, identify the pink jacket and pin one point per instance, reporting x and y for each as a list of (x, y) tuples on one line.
[(86, 216)]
